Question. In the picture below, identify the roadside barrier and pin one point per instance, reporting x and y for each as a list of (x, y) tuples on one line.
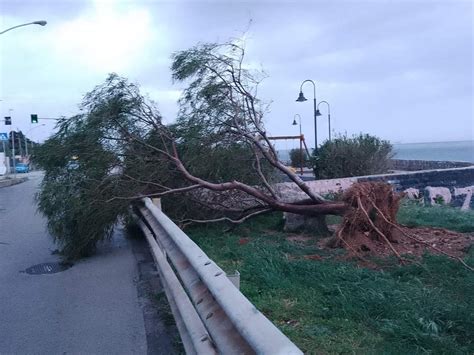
[(211, 314)]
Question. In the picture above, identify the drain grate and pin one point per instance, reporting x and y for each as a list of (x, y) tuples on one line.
[(47, 268)]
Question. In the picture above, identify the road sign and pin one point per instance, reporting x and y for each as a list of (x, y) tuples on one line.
[(3, 137)]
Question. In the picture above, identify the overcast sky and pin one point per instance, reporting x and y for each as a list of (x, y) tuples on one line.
[(401, 70)]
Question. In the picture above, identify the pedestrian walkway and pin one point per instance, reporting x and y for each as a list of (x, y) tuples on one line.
[(91, 308)]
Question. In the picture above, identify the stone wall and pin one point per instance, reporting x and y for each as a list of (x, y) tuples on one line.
[(458, 181), (457, 177), (447, 186), (415, 165)]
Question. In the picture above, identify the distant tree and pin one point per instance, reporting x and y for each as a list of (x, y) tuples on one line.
[(358, 155), (18, 140), (296, 155)]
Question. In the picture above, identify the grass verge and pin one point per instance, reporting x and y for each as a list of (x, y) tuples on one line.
[(333, 307), (414, 215)]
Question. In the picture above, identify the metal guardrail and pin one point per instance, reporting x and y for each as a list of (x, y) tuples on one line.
[(212, 315)]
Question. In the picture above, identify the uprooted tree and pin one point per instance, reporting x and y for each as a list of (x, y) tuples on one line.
[(215, 163)]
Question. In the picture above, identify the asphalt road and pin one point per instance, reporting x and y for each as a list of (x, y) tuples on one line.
[(91, 308)]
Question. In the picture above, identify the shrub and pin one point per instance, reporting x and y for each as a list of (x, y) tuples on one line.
[(295, 158), (352, 156)]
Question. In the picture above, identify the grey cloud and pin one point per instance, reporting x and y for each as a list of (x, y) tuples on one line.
[(52, 10), (382, 65)]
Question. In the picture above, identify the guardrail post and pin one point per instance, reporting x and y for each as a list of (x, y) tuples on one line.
[(234, 278), (157, 202)]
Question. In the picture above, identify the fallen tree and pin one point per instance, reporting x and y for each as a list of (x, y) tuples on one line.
[(215, 163)]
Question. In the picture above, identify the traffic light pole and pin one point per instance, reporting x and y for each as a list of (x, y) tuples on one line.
[(7, 164), (26, 146), (13, 153)]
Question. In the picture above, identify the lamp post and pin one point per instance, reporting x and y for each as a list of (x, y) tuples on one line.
[(13, 152), (296, 123), (41, 23), (301, 98), (301, 142), (329, 115), (13, 146)]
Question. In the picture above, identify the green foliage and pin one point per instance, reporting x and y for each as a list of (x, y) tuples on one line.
[(352, 156), (216, 113), (78, 162), (413, 215), (213, 102), (211, 158), (78, 216), (295, 157), (332, 307), (117, 150)]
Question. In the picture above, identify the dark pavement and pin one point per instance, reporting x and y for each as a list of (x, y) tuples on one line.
[(91, 308)]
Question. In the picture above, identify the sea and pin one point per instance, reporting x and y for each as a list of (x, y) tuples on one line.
[(447, 151), (462, 151)]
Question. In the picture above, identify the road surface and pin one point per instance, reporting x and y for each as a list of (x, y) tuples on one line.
[(91, 308)]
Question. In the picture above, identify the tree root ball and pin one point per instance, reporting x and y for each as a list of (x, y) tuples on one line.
[(372, 211)]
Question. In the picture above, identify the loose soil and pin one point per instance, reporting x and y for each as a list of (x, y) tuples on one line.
[(433, 240), (299, 239), (453, 243)]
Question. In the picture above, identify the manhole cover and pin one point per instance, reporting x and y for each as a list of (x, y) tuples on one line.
[(47, 268)]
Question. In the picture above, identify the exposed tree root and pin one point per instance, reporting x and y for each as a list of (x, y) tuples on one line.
[(379, 232), (362, 218), (371, 220), (350, 247)]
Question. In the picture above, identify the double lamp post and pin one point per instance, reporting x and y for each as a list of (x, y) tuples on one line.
[(302, 98)]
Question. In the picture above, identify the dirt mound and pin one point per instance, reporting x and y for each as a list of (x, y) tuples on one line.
[(421, 240)]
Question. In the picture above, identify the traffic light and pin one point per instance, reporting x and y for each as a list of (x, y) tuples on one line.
[(34, 118), (8, 121)]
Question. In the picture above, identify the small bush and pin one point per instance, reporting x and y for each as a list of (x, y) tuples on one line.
[(295, 158), (352, 156)]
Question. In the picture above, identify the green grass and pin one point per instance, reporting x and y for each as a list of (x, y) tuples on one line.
[(414, 215), (331, 307)]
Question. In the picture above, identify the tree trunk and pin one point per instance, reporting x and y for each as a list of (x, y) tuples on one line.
[(301, 223)]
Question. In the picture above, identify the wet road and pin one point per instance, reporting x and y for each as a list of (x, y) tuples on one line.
[(90, 308)]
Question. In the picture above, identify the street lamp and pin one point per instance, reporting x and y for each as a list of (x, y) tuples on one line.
[(301, 142), (296, 123), (329, 115), (301, 98), (41, 23)]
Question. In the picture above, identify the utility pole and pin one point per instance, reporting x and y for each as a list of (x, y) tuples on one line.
[(5, 157), (13, 152), (26, 147)]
